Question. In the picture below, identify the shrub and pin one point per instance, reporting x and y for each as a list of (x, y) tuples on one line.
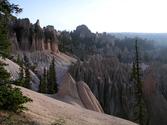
[(12, 99), (59, 122)]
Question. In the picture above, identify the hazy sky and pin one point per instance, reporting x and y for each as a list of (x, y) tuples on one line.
[(98, 15)]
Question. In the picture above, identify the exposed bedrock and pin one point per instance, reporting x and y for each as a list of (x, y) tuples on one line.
[(26, 36)]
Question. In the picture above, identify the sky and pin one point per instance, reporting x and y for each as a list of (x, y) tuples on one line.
[(147, 16)]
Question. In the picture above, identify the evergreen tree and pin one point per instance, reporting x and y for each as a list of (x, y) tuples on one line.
[(141, 114), (24, 75), (6, 11), (133, 75), (11, 98), (26, 61), (19, 61), (21, 73), (52, 84), (43, 82), (4, 42), (20, 80), (4, 75), (27, 78)]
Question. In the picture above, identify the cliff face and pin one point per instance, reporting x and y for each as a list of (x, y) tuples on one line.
[(38, 45), (110, 82), (26, 36)]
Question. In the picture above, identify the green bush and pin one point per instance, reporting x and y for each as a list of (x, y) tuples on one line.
[(12, 99)]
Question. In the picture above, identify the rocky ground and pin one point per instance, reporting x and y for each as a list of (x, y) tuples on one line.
[(45, 110), (11, 118)]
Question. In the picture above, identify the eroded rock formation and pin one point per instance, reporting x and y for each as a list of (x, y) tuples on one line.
[(87, 97), (155, 100), (26, 36), (110, 82), (78, 93)]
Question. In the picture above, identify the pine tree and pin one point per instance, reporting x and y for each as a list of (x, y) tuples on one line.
[(21, 73), (43, 82), (20, 80), (27, 78), (11, 98), (52, 84), (4, 42), (133, 75), (24, 74), (140, 106), (26, 61), (19, 61), (4, 75)]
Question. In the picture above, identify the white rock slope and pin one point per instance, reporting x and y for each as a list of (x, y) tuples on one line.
[(46, 110)]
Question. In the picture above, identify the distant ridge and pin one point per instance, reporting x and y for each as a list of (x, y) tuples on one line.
[(157, 37)]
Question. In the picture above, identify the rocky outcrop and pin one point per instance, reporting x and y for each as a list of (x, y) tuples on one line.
[(110, 82), (77, 93), (82, 43), (22, 28), (26, 36), (51, 41), (68, 91), (82, 31), (68, 87), (87, 97), (39, 45)]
